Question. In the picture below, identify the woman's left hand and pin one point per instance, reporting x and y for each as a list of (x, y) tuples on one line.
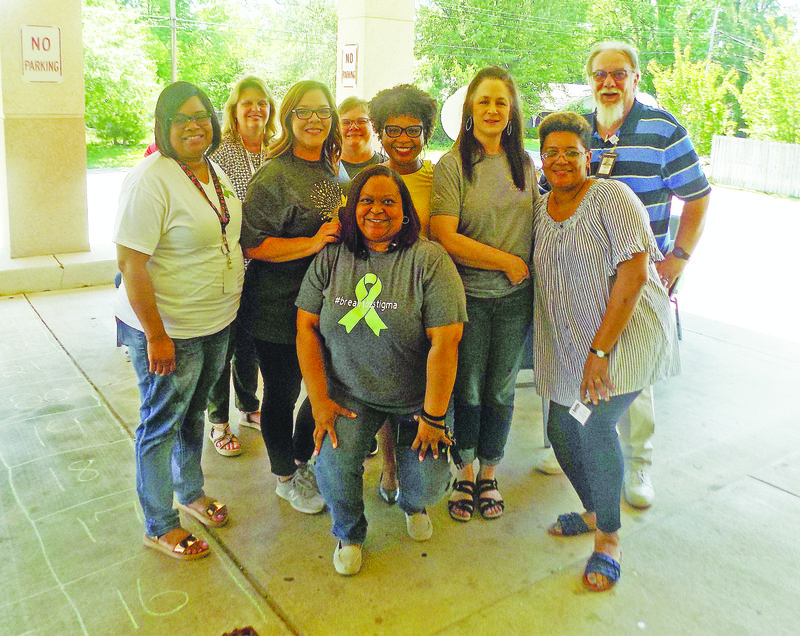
[(325, 413), (596, 384), (428, 438)]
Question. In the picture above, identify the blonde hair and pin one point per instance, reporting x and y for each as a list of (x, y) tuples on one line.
[(229, 110)]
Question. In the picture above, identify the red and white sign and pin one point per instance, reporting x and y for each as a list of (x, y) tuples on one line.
[(41, 54), (349, 65)]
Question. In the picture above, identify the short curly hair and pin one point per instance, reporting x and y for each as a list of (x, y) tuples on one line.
[(404, 99), (566, 121)]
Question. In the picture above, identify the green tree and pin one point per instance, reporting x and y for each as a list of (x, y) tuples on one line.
[(771, 97), (537, 42), (699, 94), (119, 77)]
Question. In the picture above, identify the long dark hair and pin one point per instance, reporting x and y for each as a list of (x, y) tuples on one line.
[(332, 147), (472, 151), (351, 235), (168, 105)]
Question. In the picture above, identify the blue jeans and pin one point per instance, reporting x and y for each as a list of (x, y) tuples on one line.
[(490, 355), (591, 456), (340, 471), (242, 361), (169, 438)]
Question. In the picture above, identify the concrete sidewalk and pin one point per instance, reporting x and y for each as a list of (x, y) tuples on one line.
[(717, 553)]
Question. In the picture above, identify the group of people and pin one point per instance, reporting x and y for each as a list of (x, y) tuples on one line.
[(400, 293)]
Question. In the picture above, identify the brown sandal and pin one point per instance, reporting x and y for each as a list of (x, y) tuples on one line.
[(224, 438), (251, 419), (206, 517), (179, 550)]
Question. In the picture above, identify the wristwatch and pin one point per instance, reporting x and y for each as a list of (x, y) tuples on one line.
[(599, 353), (679, 252)]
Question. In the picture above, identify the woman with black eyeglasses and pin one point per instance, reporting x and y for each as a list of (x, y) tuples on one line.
[(177, 236), (290, 214)]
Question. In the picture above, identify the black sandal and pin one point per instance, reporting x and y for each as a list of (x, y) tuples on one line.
[(485, 503), (466, 505)]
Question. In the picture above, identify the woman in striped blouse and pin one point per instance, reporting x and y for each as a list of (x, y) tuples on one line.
[(603, 328)]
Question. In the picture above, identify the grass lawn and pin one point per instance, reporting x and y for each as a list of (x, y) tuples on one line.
[(105, 156)]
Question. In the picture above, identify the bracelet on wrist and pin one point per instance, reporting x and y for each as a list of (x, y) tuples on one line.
[(441, 427), (599, 353), (432, 418)]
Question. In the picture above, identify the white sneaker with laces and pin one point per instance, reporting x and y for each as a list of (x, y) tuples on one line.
[(419, 526), (299, 492), (548, 464), (638, 488), (347, 559)]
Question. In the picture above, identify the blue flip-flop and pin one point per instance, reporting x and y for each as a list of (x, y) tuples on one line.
[(570, 525), (604, 565)]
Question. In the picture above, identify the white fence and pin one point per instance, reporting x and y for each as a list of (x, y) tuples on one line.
[(764, 166)]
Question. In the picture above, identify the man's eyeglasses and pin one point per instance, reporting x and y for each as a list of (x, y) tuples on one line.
[(305, 113), (617, 76), (361, 122), (396, 131), (181, 121), (569, 155)]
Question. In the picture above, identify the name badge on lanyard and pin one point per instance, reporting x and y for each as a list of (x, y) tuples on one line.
[(607, 163)]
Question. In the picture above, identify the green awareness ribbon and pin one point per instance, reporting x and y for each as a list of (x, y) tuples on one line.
[(364, 309)]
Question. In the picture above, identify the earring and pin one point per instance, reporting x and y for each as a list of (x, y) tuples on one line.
[(509, 129), (405, 220), (468, 123)]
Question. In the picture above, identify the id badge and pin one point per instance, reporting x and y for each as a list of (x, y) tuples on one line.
[(580, 412), (607, 163), (228, 280)]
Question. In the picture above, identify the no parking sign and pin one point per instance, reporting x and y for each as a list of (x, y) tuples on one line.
[(41, 54)]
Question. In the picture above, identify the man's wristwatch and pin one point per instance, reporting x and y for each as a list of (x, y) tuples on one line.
[(599, 353), (679, 252)]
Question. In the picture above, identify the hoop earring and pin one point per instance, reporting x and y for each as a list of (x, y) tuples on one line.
[(468, 123), (509, 129), (405, 220)]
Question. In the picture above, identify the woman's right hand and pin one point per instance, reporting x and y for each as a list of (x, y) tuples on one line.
[(328, 233), (161, 355), (325, 413), (516, 270)]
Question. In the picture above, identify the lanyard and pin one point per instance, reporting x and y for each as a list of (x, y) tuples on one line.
[(224, 216)]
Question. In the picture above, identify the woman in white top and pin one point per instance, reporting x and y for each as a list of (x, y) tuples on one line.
[(177, 236), (603, 328), (484, 189)]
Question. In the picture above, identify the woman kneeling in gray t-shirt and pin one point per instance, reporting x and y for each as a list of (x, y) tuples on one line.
[(379, 320)]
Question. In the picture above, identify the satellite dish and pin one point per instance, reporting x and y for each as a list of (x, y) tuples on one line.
[(451, 112)]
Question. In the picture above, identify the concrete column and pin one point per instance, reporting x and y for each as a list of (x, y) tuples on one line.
[(43, 207), (383, 31)]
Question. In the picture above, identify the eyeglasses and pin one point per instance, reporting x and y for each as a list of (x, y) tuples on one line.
[(361, 122), (181, 121), (396, 131), (617, 76), (570, 155), (305, 113)]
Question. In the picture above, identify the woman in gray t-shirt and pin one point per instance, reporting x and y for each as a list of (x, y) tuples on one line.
[(484, 190), (378, 324)]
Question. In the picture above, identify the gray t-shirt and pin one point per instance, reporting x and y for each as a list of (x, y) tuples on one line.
[(288, 197), (491, 210), (373, 316)]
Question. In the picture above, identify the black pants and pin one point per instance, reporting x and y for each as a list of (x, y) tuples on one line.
[(285, 441)]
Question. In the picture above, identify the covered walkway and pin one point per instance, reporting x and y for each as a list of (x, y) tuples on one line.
[(717, 553)]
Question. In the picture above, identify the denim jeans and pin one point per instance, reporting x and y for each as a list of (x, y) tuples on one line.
[(340, 471), (591, 456), (169, 438), (281, 373), (242, 362), (489, 357)]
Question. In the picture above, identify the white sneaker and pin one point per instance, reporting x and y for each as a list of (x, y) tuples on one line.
[(419, 526), (300, 494), (548, 464), (347, 559), (637, 488)]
